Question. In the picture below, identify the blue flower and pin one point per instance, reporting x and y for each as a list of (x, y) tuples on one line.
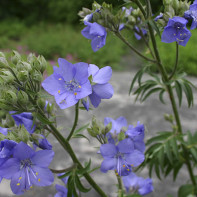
[(96, 33), (135, 183), (136, 134), (27, 168), (116, 124), (4, 131), (88, 17), (25, 119), (192, 14), (127, 11), (138, 32), (69, 83), (121, 157), (176, 31), (101, 89)]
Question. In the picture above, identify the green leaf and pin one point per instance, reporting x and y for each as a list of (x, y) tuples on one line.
[(174, 147), (80, 136), (70, 186), (168, 151), (154, 26), (151, 92), (134, 80), (42, 119), (157, 170), (161, 157), (186, 191), (85, 169), (176, 170), (84, 127), (161, 96), (178, 92), (188, 93), (80, 186)]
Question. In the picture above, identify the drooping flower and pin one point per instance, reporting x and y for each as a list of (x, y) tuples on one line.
[(101, 89), (127, 13), (116, 124), (192, 14), (4, 131), (121, 157), (25, 119), (69, 83), (139, 184), (136, 134), (176, 31), (88, 17), (27, 168), (43, 143), (96, 33), (138, 32)]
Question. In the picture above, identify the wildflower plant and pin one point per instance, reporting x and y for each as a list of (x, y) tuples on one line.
[(27, 117)]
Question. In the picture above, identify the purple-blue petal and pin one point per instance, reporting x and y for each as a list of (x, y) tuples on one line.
[(135, 158), (81, 72), (104, 91), (95, 99), (108, 150), (125, 146), (108, 164), (93, 69), (85, 90), (103, 75)]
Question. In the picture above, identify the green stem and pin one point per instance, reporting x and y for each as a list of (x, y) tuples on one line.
[(120, 189), (170, 92), (132, 48), (65, 144), (176, 61), (75, 122)]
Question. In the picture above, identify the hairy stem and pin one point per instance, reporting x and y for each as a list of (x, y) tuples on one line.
[(75, 122)]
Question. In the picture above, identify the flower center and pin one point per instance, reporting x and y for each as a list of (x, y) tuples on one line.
[(72, 86), (178, 25), (26, 163)]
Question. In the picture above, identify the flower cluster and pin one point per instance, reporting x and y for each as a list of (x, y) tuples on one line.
[(72, 82), (122, 155)]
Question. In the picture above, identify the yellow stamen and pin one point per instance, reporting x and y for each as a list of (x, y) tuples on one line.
[(128, 169), (181, 34), (116, 173), (60, 79), (70, 81), (123, 165), (174, 34), (132, 165), (79, 86), (31, 187), (36, 173), (38, 180), (75, 93), (18, 184), (59, 91), (20, 178)]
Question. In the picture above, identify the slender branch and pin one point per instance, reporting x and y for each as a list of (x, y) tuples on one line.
[(75, 122), (64, 170), (132, 48), (176, 61)]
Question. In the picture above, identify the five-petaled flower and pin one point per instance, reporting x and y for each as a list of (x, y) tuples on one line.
[(139, 184), (176, 31), (69, 83), (121, 157), (27, 168), (101, 89), (96, 33)]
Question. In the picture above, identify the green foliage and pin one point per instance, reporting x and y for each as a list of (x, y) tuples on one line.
[(187, 191), (54, 41), (187, 55)]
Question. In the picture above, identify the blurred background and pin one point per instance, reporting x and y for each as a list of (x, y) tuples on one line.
[(53, 29)]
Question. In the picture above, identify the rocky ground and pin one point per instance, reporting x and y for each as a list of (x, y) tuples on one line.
[(150, 113)]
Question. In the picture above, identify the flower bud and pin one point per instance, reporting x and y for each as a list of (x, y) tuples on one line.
[(37, 76), (41, 103), (9, 121), (43, 63), (2, 54), (3, 62), (23, 75), (23, 134), (10, 96), (16, 57), (2, 114), (6, 76), (23, 98)]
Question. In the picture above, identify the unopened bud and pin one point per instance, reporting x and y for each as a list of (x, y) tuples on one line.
[(16, 57), (43, 63), (23, 98), (3, 62), (23, 75)]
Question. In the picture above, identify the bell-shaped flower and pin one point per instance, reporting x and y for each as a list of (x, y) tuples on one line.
[(69, 83), (25, 119), (27, 168), (101, 89), (43, 143), (96, 33), (176, 31), (136, 134), (121, 157), (134, 183)]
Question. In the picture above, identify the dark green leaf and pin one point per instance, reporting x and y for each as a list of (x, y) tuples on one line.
[(169, 151), (178, 91), (85, 169), (161, 157), (82, 128), (157, 170), (174, 147), (176, 170), (186, 190), (151, 92), (80, 136), (70, 186), (42, 119), (161, 96)]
